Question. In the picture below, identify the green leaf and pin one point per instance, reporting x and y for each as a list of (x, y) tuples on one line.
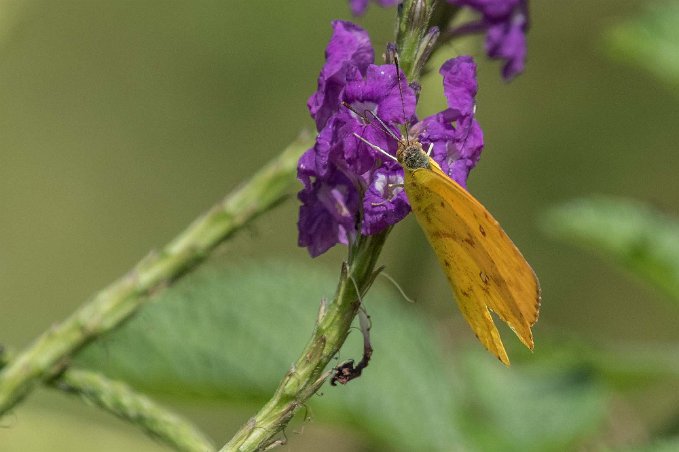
[(231, 333), (537, 409), (632, 234), (650, 41), (623, 367)]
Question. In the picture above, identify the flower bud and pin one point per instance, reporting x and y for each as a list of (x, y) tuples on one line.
[(390, 54), (418, 14), (425, 48)]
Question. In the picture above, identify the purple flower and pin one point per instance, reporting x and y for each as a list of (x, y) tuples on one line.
[(505, 23), (351, 188), (328, 211), (347, 56), (457, 137), (358, 7)]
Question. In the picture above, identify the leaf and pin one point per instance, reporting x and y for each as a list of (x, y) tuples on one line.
[(623, 367), (538, 409), (630, 233), (650, 41), (232, 332)]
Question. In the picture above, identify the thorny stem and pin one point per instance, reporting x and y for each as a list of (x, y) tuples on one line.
[(122, 401), (306, 375), (48, 354)]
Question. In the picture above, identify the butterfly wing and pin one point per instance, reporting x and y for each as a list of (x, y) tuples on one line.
[(482, 264)]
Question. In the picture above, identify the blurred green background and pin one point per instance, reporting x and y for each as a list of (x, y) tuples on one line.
[(121, 121)]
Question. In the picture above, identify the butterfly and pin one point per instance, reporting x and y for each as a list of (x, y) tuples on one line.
[(483, 266), (486, 271)]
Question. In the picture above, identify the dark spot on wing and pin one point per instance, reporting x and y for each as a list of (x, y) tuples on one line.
[(482, 231), (446, 235), (469, 240)]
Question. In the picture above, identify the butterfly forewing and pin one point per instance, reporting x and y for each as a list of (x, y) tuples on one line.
[(484, 268), (516, 275)]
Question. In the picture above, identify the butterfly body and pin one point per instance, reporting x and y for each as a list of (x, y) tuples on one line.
[(483, 266)]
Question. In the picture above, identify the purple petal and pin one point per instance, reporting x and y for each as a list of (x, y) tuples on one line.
[(328, 212), (385, 202), (506, 25), (380, 91), (306, 167), (459, 84), (347, 56), (456, 136), (507, 41), (469, 139)]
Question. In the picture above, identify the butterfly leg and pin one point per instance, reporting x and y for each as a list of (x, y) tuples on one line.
[(346, 371), (389, 187), (431, 146)]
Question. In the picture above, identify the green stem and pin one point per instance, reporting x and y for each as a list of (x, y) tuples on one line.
[(411, 27), (122, 401), (47, 355), (307, 375)]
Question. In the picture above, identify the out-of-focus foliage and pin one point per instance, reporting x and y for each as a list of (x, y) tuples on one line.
[(219, 336), (38, 429), (650, 40), (121, 122), (632, 234)]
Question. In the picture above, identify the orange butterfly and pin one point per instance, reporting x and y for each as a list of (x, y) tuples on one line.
[(482, 264), (484, 268)]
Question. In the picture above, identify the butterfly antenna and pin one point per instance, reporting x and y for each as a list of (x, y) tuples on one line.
[(376, 147), (367, 120), (354, 111), (384, 126), (400, 92)]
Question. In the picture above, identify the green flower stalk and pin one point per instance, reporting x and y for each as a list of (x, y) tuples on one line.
[(308, 374), (48, 355), (122, 401)]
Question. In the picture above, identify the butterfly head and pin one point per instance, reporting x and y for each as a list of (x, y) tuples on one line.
[(411, 156)]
